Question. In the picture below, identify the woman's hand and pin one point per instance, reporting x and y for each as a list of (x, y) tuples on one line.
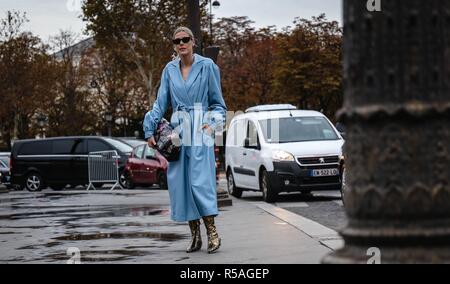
[(151, 142), (207, 128)]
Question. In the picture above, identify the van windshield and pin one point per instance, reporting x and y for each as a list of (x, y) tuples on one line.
[(297, 129)]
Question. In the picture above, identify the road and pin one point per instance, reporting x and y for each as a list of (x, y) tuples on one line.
[(134, 226), (325, 207)]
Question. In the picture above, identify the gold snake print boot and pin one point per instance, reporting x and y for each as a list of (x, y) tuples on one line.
[(196, 242), (213, 237)]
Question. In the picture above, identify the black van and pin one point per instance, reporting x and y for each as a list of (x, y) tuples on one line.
[(57, 162)]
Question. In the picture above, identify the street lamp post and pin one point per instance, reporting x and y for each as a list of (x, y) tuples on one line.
[(41, 119), (215, 4), (396, 111), (109, 118), (194, 23)]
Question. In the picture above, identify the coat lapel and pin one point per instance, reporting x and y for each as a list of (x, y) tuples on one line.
[(194, 73), (183, 87), (178, 82)]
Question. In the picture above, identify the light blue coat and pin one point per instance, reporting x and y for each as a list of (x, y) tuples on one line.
[(191, 179)]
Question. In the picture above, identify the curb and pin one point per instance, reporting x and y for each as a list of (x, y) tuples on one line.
[(324, 235)]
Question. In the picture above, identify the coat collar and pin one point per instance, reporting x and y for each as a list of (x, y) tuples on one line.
[(197, 59)]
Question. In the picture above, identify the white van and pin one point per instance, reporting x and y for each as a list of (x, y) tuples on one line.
[(277, 148)]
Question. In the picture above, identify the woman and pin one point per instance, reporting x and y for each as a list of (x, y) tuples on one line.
[(191, 83)]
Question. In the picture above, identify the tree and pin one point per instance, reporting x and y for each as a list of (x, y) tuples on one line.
[(246, 62), (70, 113), (308, 72), (138, 34), (23, 61)]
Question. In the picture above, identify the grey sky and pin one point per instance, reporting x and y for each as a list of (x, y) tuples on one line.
[(47, 17)]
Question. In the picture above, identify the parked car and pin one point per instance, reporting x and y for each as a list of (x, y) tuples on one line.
[(133, 142), (57, 162), (277, 148), (146, 166), (5, 175)]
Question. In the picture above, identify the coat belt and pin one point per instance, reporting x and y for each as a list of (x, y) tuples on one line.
[(191, 108)]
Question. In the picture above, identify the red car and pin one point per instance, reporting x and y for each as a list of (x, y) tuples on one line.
[(146, 167)]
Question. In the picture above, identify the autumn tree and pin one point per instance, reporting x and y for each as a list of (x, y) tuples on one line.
[(25, 79), (308, 72), (70, 113), (246, 60), (232, 35), (138, 34)]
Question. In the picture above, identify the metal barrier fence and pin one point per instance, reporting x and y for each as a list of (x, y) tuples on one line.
[(103, 167)]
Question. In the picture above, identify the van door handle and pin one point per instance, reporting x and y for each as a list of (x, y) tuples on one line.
[(245, 154)]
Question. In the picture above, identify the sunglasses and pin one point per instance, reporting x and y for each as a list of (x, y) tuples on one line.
[(181, 40)]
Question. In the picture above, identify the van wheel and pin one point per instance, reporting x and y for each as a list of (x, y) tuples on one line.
[(162, 180), (232, 189), (269, 194), (34, 182)]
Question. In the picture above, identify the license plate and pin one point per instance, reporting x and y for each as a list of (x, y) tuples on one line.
[(325, 173)]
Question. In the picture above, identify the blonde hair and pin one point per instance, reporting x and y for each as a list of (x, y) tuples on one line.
[(186, 30)]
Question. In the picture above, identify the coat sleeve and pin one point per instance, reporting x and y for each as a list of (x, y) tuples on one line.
[(153, 117), (215, 100)]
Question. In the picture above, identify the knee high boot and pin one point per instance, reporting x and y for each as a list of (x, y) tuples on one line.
[(213, 238), (196, 242)]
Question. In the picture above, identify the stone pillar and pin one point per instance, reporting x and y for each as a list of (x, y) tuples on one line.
[(397, 113)]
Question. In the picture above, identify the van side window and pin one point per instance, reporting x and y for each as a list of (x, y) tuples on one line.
[(36, 148), (241, 132), (252, 134), (231, 135), (63, 147), (97, 146), (80, 147)]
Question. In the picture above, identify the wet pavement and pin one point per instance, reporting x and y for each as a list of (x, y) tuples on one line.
[(43, 227), (134, 226)]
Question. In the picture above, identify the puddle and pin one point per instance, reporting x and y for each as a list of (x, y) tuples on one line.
[(119, 235), (113, 225), (47, 245), (101, 255), (25, 227), (91, 212)]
